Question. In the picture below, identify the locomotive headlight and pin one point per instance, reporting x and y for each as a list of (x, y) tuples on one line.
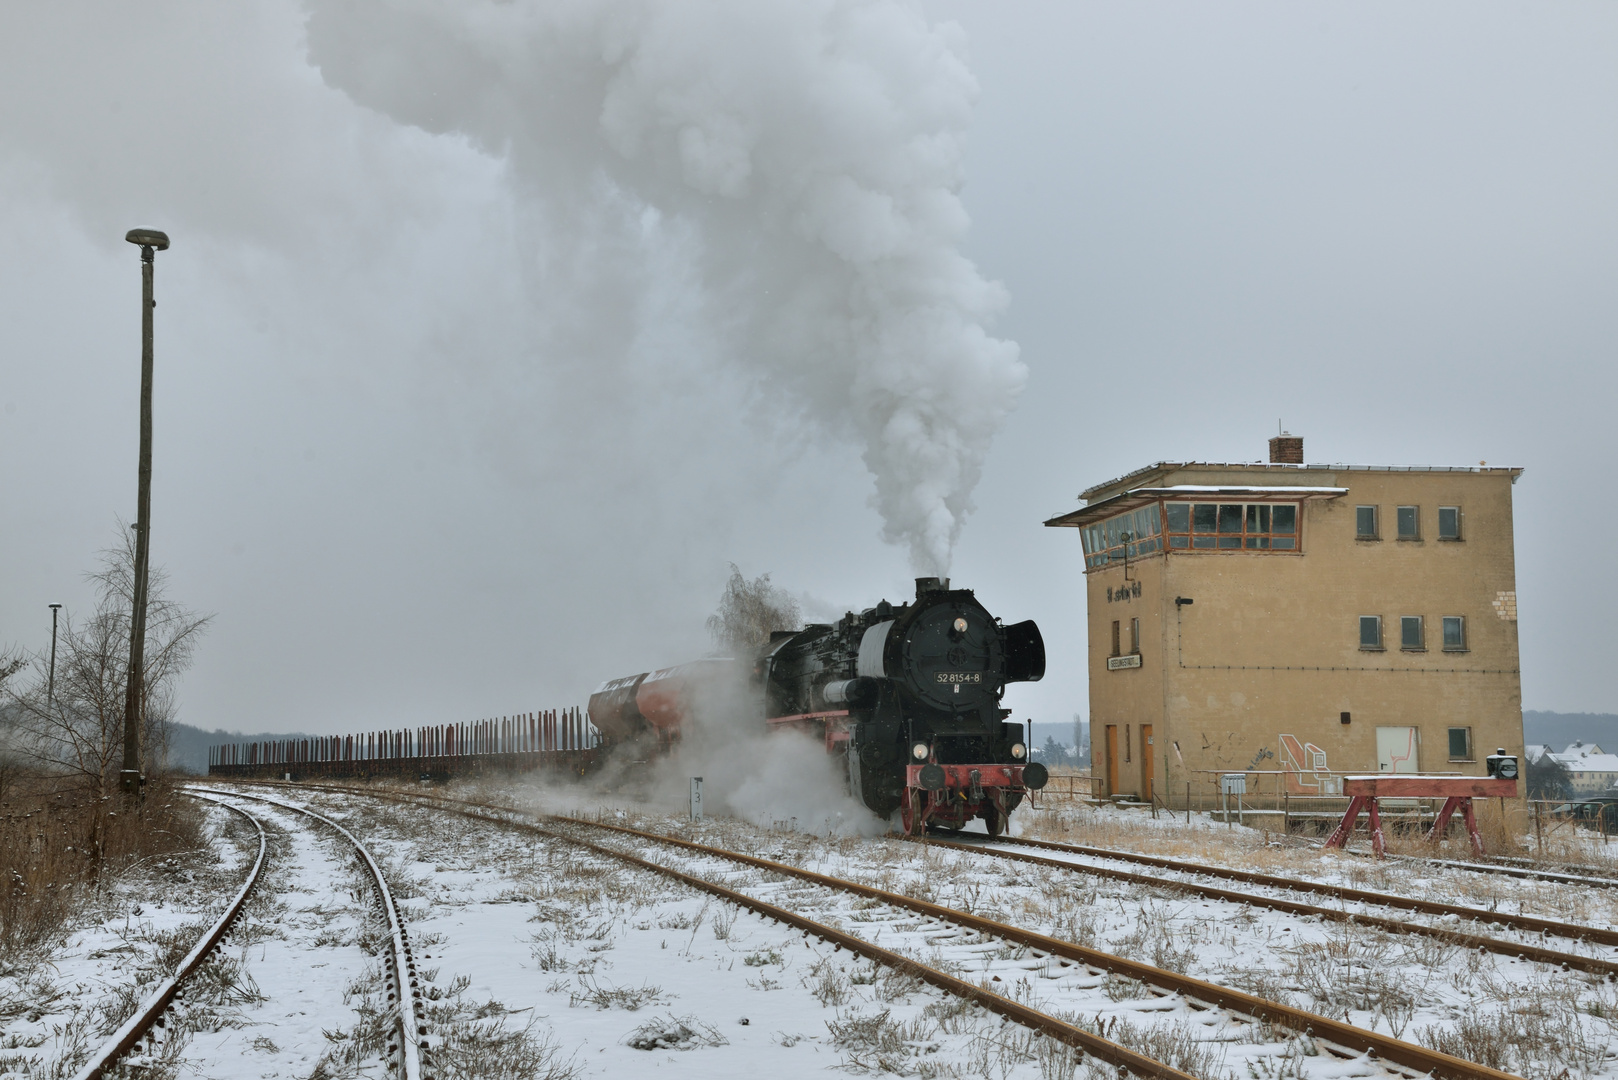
[(960, 626), (1019, 751), (919, 751)]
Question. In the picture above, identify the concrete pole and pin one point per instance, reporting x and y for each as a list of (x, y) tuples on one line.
[(134, 691), (50, 684)]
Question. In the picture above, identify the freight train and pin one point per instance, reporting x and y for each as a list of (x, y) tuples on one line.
[(908, 697)]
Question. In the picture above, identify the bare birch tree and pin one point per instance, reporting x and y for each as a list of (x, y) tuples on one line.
[(80, 727), (749, 611)]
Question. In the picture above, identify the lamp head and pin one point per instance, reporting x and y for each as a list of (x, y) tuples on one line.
[(148, 238)]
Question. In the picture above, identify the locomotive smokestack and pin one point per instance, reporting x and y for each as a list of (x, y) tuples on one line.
[(925, 585)]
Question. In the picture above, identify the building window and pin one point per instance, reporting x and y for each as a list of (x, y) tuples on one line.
[(1460, 744), (1115, 650), (1134, 636), (1365, 523), (1232, 526), (1411, 637), (1410, 523), (1134, 534), (1449, 522), (1370, 631), (1454, 633)]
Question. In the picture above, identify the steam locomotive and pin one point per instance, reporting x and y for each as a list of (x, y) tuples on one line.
[(908, 697)]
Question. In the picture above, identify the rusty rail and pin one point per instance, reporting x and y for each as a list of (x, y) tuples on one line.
[(138, 1029), (404, 990), (1528, 923), (1593, 877), (1061, 1030), (1351, 1039)]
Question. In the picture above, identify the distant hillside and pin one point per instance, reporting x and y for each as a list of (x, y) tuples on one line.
[(188, 746), (1557, 730)]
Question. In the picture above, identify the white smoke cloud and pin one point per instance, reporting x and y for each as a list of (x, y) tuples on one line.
[(802, 161)]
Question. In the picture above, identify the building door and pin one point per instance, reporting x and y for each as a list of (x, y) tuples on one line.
[(1112, 760), (1397, 749), (1146, 762)]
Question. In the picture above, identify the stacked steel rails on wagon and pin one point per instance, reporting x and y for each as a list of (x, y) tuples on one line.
[(909, 697)]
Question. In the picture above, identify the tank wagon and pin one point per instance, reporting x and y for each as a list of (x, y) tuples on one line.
[(908, 697)]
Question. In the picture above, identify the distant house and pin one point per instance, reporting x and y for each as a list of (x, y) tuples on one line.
[(1591, 768)]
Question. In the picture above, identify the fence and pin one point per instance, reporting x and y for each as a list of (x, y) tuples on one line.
[(1270, 801), (1064, 786), (553, 740)]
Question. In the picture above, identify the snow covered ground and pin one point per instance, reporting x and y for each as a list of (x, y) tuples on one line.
[(542, 959)]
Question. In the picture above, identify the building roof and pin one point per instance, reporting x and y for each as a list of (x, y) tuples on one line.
[(1585, 761), (1170, 466), (1136, 497)]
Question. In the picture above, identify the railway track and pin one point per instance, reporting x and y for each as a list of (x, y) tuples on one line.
[(1337, 1037), (137, 1033), (1570, 874), (1115, 1054), (143, 1031), (1476, 916)]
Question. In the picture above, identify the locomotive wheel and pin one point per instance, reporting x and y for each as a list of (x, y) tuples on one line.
[(993, 820), (910, 811)]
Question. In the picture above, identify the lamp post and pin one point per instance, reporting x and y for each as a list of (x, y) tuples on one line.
[(150, 241), (50, 684)]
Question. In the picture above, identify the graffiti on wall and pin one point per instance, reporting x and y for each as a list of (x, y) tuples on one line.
[(1304, 765)]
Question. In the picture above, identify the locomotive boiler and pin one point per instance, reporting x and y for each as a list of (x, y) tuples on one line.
[(908, 697)]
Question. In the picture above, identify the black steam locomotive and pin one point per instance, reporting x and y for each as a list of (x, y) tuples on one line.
[(908, 696)]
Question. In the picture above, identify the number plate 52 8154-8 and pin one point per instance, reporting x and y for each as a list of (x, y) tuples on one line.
[(960, 676)]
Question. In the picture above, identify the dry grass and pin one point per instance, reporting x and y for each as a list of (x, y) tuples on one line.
[(61, 848)]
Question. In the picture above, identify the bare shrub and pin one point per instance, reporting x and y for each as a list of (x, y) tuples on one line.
[(1177, 1045), (631, 998), (488, 1050), (827, 983), (878, 1043), (75, 723), (749, 611), (674, 1033)]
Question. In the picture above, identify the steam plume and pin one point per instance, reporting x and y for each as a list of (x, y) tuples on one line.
[(804, 158)]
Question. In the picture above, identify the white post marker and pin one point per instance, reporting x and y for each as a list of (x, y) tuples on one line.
[(696, 798)]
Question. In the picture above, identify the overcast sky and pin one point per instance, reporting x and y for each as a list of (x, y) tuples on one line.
[(491, 334)]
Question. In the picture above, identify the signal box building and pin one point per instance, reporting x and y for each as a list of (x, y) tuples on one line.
[(1296, 623)]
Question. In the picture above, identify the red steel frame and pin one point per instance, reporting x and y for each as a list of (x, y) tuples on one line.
[(993, 782), (920, 804), (1456, 791)]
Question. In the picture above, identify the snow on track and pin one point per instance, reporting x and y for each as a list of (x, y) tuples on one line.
[(618, 963), (587, 929), (311, 990)]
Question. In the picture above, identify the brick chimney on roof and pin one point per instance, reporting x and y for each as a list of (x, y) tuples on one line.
[(1286, 449)]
